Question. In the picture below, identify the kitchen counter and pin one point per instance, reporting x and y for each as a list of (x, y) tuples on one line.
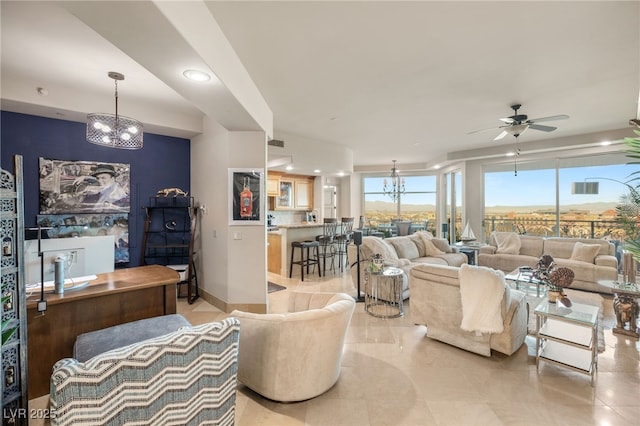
[(301, 225), (294, 232)]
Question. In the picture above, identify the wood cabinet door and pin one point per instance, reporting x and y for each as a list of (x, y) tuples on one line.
[(284, 200), (303, 194), (274, 256), (273, 187)]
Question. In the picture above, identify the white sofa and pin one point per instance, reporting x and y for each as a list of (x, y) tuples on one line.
[(436, 302), (404, 252), (507, 251), (296, 355)]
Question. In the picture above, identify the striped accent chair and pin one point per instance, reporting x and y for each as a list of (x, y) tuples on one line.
[(187, 377)]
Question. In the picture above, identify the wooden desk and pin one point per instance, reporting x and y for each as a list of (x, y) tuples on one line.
[(114, 298)]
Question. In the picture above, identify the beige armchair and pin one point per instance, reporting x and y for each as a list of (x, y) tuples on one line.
[(296, 355)]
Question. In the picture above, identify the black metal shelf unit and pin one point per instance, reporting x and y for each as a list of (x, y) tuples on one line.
[(13, 308), (168, 239)]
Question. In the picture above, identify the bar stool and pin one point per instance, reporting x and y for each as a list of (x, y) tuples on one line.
[(343, 239), (305, 260), (327, 241)]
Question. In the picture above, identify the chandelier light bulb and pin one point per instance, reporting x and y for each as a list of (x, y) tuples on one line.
[(113, 130)]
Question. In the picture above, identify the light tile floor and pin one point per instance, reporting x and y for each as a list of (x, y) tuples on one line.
[(393, 375)]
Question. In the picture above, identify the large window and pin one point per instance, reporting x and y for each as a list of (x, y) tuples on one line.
[(417, 203), (540, 200)]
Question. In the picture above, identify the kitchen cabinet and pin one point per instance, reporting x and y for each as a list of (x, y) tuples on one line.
[(295, 193), (274, 255), (303, 191), (273, 187), (284, 201)]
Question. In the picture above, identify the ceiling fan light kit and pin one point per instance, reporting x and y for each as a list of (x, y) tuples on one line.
[(113, 130), (517, 124)]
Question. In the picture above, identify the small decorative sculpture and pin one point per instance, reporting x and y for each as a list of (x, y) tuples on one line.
[(175, 192), (559, 279), (555, 278), (377, 263), (626, 310)]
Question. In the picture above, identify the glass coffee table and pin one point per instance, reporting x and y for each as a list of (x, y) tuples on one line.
[(523, 277), (567, 336)]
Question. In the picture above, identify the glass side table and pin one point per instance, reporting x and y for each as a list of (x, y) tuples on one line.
[(383, 293), (567, 336)]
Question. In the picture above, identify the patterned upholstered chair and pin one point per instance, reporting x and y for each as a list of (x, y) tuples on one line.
[(186, 377)]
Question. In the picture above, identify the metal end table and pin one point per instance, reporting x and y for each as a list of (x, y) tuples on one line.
[(383, 293)]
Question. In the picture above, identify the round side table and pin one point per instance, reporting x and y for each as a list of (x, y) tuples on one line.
[(383, 293)]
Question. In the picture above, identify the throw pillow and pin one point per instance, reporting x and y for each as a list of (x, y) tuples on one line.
[(508, 242), (430, 248), (424, 234), (405, 248), (585, 252), (417, 240), (442, 244)]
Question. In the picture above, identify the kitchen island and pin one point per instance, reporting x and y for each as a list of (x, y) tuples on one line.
[(289, 233)]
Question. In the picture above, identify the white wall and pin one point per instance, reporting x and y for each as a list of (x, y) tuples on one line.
[(233, 271)]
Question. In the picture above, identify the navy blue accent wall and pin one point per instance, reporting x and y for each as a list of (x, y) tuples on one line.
[(163, 162)]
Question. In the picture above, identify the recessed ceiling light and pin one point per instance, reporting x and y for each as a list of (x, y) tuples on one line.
[(317, 171), (510, 154), (605, 143), (340, 173), (289, 167), (437, 166), (195, 75)]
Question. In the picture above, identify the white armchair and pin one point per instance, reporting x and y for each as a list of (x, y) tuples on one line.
[(297, 355)]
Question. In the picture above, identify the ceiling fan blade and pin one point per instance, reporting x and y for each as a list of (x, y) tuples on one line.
[(501, 135), (542, 128), (483, 130), (508, 120), (551, 118)]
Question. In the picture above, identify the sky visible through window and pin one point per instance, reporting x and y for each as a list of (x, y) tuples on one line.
[(537, 187)]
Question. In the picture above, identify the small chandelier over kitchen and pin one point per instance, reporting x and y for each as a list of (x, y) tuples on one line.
[(397, 184), (114, 131)]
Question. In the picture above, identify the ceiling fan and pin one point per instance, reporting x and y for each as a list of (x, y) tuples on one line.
[(517, 124)]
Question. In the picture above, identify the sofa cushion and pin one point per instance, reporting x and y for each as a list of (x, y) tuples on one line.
[(585, 252), (507, 242), (531, 245), (405, 247), (430, 248), (442, 244), (434, 260), (417, 240), (379, 246), (452, 259)]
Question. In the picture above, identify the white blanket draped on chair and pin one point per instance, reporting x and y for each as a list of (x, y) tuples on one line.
[(481, 291)]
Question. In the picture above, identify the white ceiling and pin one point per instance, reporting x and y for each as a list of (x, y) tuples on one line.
[(390, 80)]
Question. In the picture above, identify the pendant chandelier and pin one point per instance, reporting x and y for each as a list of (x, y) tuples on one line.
[(396, 187), (114, 131)]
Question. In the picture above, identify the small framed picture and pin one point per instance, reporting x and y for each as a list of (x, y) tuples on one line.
[(246, 204)]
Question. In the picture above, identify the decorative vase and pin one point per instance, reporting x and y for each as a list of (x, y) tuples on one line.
[(554, 295)]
